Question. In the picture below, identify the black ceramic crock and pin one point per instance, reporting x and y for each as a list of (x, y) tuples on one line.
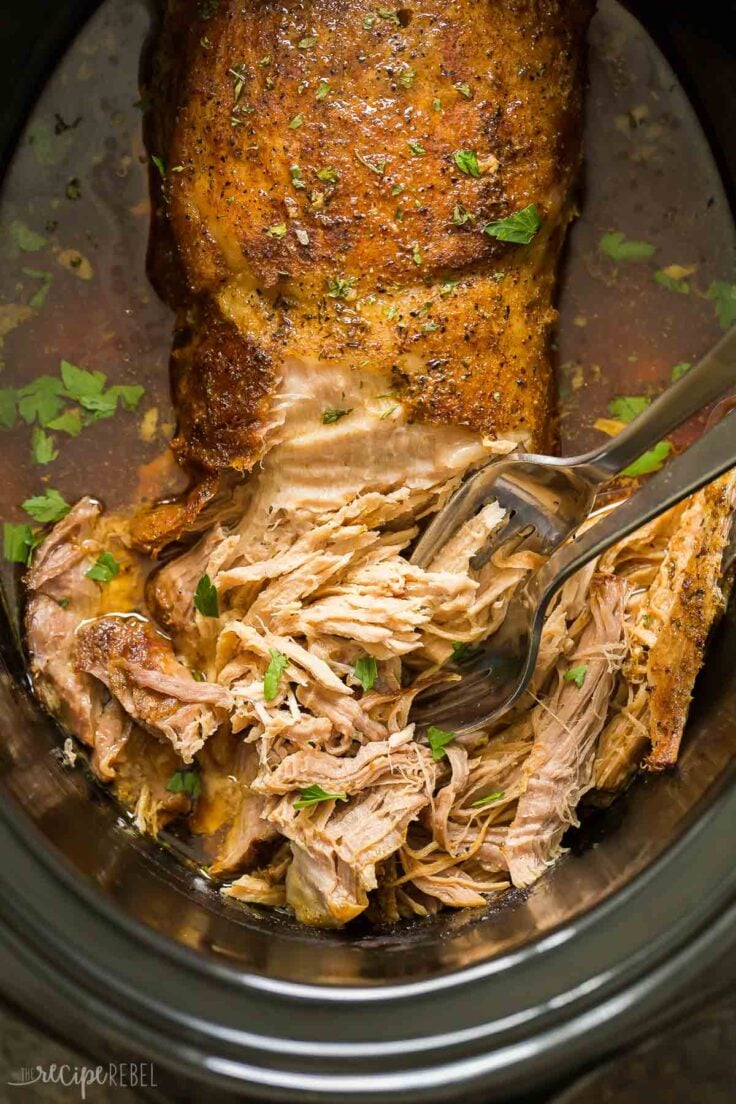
[(107, 940)]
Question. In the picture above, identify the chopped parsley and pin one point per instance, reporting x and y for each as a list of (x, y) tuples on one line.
[(40, 400), (296, 122), (43, 450), (308, 42), (279, 230), (27, 240), (198, 676), (650, 462), (18, 542), (276, 667), (628, 407), (368, 22), (313, 795), (464, 89), (723, 295), (620, 248), (340, 287), (38, 298), (407, 76), (49, 506), (104, 569), (438, 740), (577, 674), (467, 162), (323, 90), (448, 286), (8, 407), (389, 16), (416, 255), (436, 105), (519, 228), (329, 417), (680, 370), (461, 215), (459, 650), (327, 175), (366, 671), (296, 177), (488, 799), (205, 598), (417, 148), (185, 782), (160, 165), (671, 283)]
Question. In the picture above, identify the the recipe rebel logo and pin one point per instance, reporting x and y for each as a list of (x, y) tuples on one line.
[(115, 1075)]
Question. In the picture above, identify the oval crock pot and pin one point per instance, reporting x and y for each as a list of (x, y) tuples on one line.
[(111, 942)]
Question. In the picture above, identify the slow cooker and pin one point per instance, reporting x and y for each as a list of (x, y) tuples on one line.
[(109, 941)]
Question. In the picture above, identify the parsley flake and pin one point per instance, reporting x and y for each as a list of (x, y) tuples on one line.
[(467, 162), (327, 175), (43, 450), (205, 598), (340, 287), (436, 105), (650, 462), (577, 674), (407, 76), (323, 90), (279, 230), (628, 407), (438, 741), (417, 148), (276, 667), (49, 506), (329, 417), (461, 215), (296, 122), (18, 542), (620, 248), (41, 400), (296, 178), (366, 671), (488, 799), (671, 283), (723, 295), (308, 42), (104, 569), (680, 370), (519, 228), (313, 795), (464, 89), (185, 782), (160, 165), (389, 16), (8, 407)]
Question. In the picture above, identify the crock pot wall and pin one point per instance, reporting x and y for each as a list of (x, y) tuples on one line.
[(75, 882)]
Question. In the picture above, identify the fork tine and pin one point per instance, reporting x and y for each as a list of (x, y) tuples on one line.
[(465, 502), (516, 529)]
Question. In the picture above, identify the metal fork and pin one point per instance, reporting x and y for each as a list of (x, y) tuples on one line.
[(546, 499)]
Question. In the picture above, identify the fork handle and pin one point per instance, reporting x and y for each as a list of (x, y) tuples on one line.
[(711, 455), (712, 377)]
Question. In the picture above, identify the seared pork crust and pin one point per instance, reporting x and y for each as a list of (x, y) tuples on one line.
[(313, 204)]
